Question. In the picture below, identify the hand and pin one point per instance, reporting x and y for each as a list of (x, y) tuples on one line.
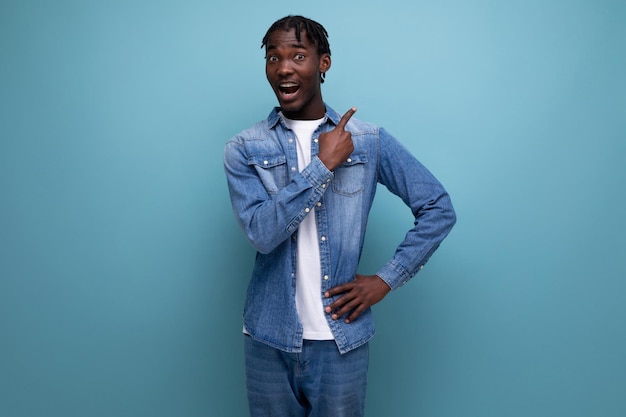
[(335, 146), (358, 295)]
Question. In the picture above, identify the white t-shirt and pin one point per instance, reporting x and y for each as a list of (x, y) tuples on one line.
[(308, 272)]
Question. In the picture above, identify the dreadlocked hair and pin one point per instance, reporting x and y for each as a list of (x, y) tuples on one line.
[(316, 33)]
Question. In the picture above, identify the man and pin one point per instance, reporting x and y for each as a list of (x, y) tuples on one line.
[(301, 184)]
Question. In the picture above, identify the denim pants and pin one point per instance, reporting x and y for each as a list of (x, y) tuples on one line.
[(318, 382)]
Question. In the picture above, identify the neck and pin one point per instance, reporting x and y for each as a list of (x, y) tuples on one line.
[(312, 113)]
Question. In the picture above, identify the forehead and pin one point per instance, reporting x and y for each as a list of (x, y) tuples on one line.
[(286, 38)]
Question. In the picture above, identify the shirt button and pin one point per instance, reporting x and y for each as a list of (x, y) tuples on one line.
[(323, 238), (293, 168), (307, 209), (290, 140), (325, 277), (265, 162), (315, 140), (421, 266), (349, 160), (323, 185), (319, 204)]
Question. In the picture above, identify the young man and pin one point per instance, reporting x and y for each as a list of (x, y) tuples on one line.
[(301, 184)]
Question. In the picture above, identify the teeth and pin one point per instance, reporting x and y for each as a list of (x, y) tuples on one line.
[(288, 85)]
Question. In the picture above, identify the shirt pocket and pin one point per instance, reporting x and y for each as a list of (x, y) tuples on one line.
[(271, 169), (349, 176)]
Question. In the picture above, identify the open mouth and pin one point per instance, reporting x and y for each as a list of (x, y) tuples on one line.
[(288, 89)]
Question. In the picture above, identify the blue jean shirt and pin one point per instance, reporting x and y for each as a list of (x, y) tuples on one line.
[(270, 196)]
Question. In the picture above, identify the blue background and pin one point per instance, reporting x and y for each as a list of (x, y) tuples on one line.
[(122, 270)]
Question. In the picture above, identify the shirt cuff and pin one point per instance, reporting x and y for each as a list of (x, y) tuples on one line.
[(317, 174), (395, 275)]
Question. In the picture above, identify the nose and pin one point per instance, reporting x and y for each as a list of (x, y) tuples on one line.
[(285, 67)]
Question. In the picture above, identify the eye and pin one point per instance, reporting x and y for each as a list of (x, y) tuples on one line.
[(271, 58), (299, 57)]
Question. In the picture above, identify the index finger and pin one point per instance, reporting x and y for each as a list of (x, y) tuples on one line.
[(339, 289), (344, 120)]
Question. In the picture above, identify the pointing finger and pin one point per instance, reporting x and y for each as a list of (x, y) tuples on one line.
[(344, 120)]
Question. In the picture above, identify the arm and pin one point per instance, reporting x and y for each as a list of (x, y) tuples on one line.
[(268, 220), (429, 202), (434, 217)]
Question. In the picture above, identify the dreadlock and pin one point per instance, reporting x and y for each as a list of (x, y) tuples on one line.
[(316, 33)]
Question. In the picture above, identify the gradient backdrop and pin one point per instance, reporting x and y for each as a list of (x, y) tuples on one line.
[(122, 270)]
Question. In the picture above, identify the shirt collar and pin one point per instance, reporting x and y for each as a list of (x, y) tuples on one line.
[(274, 117)]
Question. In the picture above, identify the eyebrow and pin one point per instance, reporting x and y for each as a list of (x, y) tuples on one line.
[(293, 45)]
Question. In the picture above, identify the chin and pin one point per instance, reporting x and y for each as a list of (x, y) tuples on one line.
[(290, 107)]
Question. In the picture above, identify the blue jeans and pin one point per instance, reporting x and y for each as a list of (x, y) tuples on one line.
[(318, 382)]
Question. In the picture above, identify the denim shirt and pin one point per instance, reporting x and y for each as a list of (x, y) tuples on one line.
[(270, 197)]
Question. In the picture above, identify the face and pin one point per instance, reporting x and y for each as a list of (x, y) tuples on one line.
[(293, 69)]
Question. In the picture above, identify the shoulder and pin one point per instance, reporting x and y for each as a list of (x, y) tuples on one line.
[(259, 139), (259, 131), (355, 125), (360, 127)]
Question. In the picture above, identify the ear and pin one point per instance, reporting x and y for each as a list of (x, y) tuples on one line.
[(324, 63)]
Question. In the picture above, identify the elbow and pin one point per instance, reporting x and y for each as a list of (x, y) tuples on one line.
[(448, 211), (452, 217), (449, 216), (261, 244), (262, 247), (443, 213)]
